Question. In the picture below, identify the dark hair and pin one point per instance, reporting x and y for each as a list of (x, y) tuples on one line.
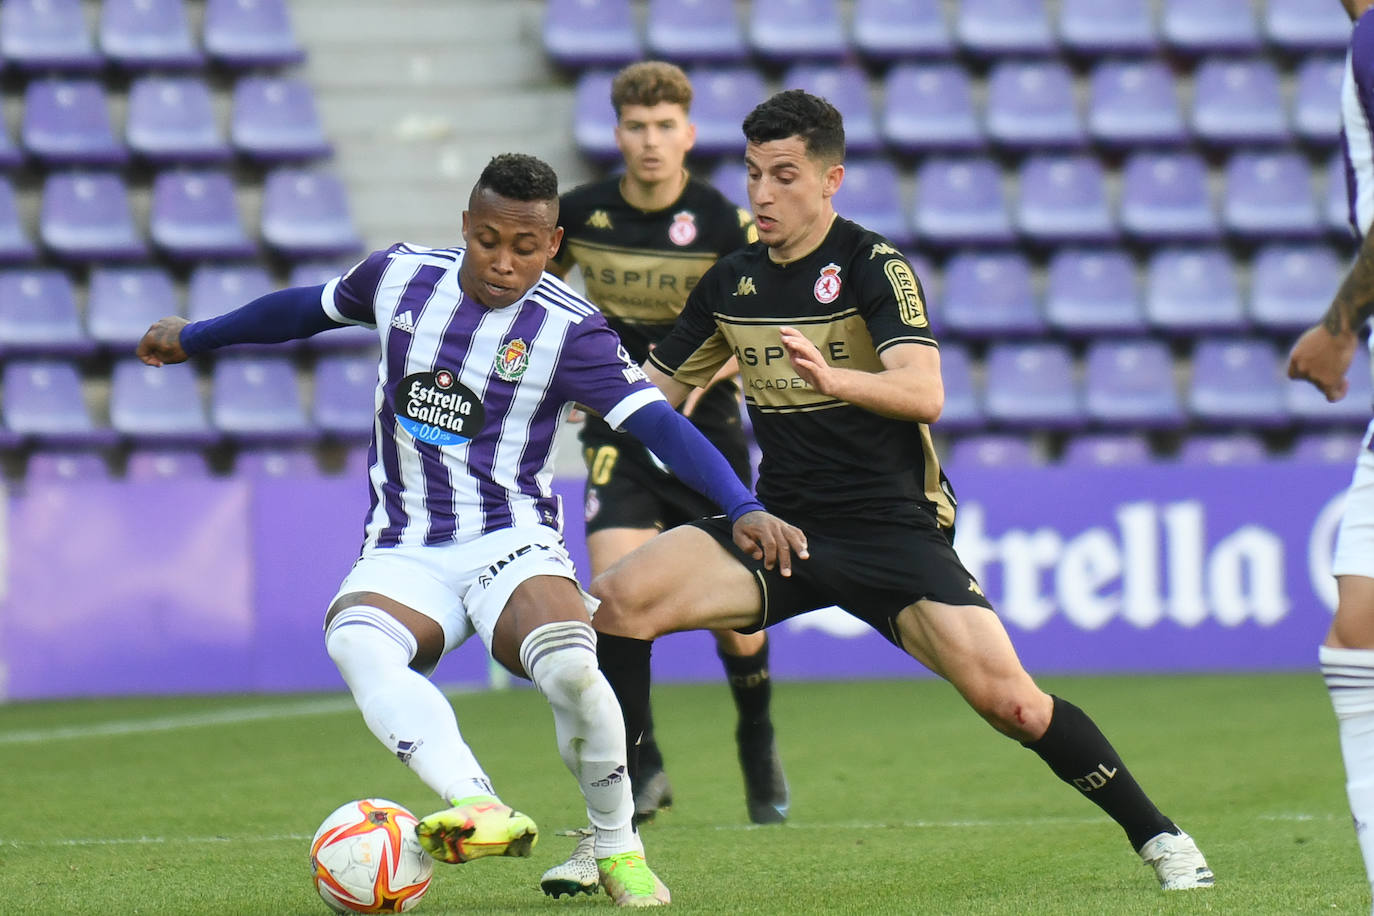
[(649, 83), (516, 176), (796, 113)]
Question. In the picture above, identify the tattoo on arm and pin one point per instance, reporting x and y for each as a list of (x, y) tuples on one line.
[(1354, 301)]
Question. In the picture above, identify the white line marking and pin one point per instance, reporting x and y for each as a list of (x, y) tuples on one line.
[(154, 840)]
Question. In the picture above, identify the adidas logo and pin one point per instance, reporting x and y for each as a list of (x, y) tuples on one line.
[(404, 322)]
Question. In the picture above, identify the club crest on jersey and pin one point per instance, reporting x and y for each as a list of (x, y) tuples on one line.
[(827, 287), (435, 407), (683, 231), (512, 360)]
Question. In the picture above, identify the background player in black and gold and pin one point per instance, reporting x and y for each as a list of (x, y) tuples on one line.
[(842, 378), (641, 242)]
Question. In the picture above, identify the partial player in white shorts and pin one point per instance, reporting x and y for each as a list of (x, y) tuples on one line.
[(1355, 540)]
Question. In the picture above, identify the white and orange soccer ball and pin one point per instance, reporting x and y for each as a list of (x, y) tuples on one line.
[(365, 859)]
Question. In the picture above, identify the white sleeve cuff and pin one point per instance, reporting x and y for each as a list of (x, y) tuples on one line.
[(621, 412), (332, 310)]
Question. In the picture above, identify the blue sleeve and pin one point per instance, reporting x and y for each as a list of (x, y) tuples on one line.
[(287, 314), (690, 456)]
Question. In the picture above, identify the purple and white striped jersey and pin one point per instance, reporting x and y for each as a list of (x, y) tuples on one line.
[(1357, 116), (469, 399)]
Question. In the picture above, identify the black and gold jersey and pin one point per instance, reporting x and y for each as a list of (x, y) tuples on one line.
[(854, 296), (638, 266)]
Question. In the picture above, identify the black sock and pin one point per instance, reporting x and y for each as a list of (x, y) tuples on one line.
[(625, 662), (650, 757), (751, 686), (1078, 753)]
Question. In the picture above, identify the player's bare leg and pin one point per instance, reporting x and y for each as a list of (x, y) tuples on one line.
[(969, 647)]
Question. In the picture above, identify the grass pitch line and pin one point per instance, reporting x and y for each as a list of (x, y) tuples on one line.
[(173, 723)]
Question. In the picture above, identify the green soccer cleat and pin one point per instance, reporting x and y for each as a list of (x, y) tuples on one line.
[(629, 882), (578, 875), (476, 827)]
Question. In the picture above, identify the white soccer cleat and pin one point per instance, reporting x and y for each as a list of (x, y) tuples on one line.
[(578, 875), (1177, 862)]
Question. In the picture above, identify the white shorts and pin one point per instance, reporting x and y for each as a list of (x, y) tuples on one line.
[(463, 587), (1355, 540)]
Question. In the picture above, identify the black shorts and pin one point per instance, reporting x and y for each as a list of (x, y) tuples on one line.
[(623, 493), (871, 568)]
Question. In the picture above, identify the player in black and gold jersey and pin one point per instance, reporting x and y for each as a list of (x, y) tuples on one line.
[(842, 377), (641, 242)]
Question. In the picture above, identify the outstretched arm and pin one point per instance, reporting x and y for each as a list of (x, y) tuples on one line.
[(287, 314), (1323, 353), (908, 387)]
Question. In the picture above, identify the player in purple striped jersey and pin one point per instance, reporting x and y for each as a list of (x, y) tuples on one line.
[(1322, 356), (482, 356)]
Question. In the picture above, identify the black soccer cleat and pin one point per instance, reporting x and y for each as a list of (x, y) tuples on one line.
[(765, 785)]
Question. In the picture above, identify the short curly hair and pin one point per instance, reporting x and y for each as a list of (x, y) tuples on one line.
[(650, 83), (517, 176), (796, 113)]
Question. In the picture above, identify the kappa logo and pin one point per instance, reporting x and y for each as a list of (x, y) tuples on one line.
[(745, 287), (882, 248), (404, 322), (974, 587), (683, 231), (599, 219), (827, 288), (512, 360)]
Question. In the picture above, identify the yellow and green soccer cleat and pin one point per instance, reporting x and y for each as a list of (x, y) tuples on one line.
[(476, 827), (629, 882)]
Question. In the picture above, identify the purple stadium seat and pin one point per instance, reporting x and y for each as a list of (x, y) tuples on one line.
[(44, 403), (1310, 407), (1336, 215), (345, 388), (1236, 381), (722, 99), (258, 463), (993, 450), (256, 399), (38, 315), (1164, 197), (1224, 450), (1133, 103), (172, 119), (352, 338), (46, 35), (963, 408), (730, 177), (846, 87), (124, 301), (1107, 450), (593, 117), (581, 33), (1269, 194), (305, 215), (195, 215), (892, 29), (988, 294), (88, 217), (67, 122), (215, 289), (166, 464), (1130, 384), (1238, 101), (1341, 447), (58, 467), (992, 28), (274, 119), (1031, 104), (1093, 291), (1032, 385), (145, 34), (15, 245), (250, 33), (1193, 290), (698, 31), (1064, 199), (1291, 286), (929, 107), (1317, 99), (960, 202), (1300, 25), (1205, 26), (871, 195), (787, 30), (928, 275), (1107, 26), (158, 405)]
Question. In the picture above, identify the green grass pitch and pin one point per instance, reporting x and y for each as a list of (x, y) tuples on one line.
[(902, 802)]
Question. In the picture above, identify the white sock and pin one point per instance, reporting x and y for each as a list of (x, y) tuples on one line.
[(402, 707), (1349, 677), (561, 660)]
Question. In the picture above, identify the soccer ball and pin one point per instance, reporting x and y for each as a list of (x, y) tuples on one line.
[(365, 859)]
